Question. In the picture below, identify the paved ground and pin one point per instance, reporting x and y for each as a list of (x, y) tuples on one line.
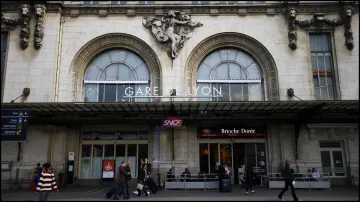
[(262, 194)]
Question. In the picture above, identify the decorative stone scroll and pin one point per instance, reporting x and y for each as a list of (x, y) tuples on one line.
[(25, 27), (174, 28), (39, 27), (318, 21)]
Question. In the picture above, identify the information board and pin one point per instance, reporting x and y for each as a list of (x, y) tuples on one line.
[(108, 168), (14, 125)]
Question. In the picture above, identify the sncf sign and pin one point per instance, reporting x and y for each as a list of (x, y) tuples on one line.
[(172, 122)]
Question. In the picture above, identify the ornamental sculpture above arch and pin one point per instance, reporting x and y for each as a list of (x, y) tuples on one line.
[(174, 28)]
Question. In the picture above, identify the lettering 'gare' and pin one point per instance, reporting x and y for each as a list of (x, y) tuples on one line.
[(238, 82)]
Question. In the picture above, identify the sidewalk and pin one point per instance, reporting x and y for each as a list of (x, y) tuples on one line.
[(262, 194)]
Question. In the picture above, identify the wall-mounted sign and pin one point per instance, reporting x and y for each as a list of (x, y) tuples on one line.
[(108, 168), (232, 132), (172, 122), (71, 156), (14, 125)]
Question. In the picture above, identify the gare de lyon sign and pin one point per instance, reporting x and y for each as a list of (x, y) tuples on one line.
[(205, 90)]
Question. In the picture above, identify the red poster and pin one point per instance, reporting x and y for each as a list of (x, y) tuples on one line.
[(108, 168)]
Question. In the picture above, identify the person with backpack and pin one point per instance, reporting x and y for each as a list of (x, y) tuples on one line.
[(289, 181), (46, 183)]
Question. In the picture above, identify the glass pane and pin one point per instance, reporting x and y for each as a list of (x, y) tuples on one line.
[(317, 94), (4, 39), (314, 63), (326, 162), (92, 73), (125, 73), (226, 155), (128, 135), (318, 43), (109, 151), (328, 66), (224, 89), (254, 71), (331, 93), (87, 136), (316, 82), (110, 93), (330, 144), (101, 92), (338, 163), (97, 161), (324, 93), (250, 154), (232, 54), (131, 156), (203, 89), (120, 155), (204, 157), (321, 63), (243, 59), (85, 161), (125, 90), (133, 60), (111, 72), (256, 92), (204, 72), (236, 91), (214, 157), (143, 152), (224, 54), (245, 92), (143, 135), (325, 43), (220, 72), (329, 81), (103, 136), (142, 72), (312, 43), (212, 59), (91, 93), (322, 81), (102, 60), (261, 157), (235, 71)]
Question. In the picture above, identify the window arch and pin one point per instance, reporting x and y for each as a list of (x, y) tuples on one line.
[(231, 73), (114, 74)]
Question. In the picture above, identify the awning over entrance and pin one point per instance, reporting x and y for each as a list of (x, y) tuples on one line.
[(316, 111)]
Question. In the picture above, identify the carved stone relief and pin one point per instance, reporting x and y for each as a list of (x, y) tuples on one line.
[(25, 25), (240, 41), (104, 42), (39, 28), (318, 21), (174, 28)]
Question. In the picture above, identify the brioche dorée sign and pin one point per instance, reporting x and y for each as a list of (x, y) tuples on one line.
[(172, 122), (232, 132)]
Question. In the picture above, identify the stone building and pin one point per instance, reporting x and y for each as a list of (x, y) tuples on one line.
[(256, 82)]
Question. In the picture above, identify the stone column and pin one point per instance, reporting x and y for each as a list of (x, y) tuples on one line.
[(353, 142), (309, 155), (180, 150), (156, 150), (275, 150), (166, 144)]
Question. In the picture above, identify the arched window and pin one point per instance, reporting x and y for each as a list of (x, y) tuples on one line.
[(232, 73), (115, 74)]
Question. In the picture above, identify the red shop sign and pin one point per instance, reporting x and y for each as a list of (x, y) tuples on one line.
[(172, 121)]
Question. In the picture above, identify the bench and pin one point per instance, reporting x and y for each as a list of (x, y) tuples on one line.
[(302, 181), (201, 181)]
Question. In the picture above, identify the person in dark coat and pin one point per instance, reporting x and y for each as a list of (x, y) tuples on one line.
[(249, 175), (221, 171), (128, 179), (120, 178), (289, 179), (142, 179)]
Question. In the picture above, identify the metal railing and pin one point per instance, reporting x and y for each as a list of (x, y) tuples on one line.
[(302, 181), (199, 181)]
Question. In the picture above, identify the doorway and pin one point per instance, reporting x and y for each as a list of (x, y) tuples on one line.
[(239, 159)]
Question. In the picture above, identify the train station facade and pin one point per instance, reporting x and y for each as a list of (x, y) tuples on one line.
[(250, 83)]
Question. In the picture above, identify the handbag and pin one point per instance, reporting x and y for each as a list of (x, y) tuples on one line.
[(139, 186)]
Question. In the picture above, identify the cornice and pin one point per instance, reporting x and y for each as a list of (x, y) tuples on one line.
[(273, 8)]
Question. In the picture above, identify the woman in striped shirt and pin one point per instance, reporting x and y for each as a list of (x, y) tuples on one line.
[(46, 183)]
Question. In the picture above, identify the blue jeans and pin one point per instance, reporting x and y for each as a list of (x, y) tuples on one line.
[(43, 196), (36, 179)]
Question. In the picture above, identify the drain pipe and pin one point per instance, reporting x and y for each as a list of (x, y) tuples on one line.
[(58, 59)]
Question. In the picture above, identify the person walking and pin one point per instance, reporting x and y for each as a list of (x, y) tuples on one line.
[(249, 175), (120, 178), (46, 183), (128, 179), (142, 178), (221, 171), (289, 181)]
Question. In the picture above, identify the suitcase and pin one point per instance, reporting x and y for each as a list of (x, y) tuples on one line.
[(152, 185), (110, 193), (226, 185)]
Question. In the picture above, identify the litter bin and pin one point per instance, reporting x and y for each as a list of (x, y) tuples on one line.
[(61, 180)]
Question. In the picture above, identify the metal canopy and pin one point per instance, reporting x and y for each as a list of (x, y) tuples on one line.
[(256, 110)]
